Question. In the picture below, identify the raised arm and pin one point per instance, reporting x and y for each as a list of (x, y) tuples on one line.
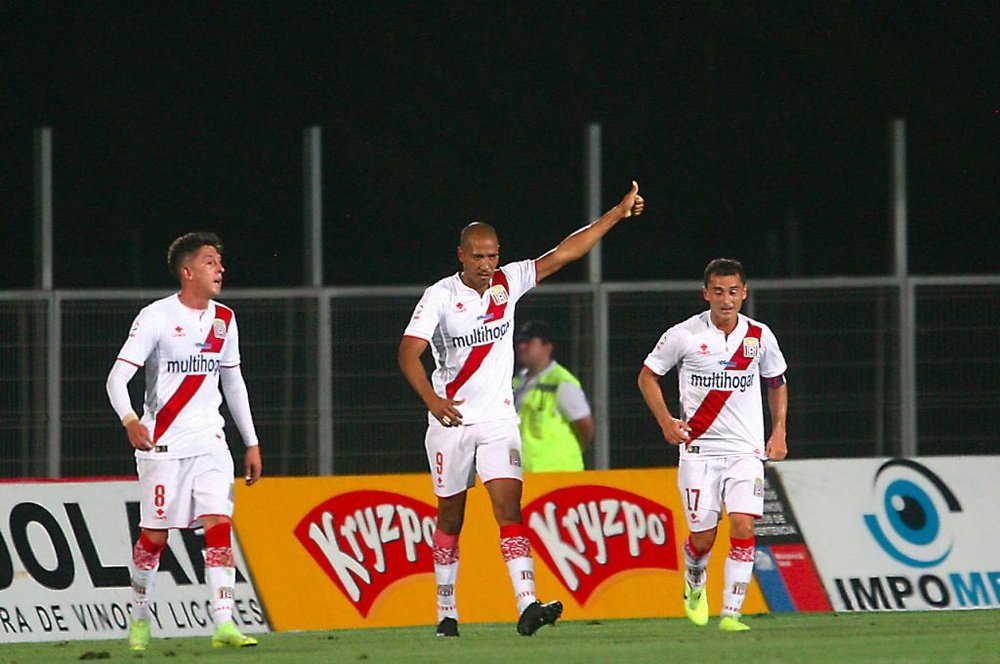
[(583, 240)]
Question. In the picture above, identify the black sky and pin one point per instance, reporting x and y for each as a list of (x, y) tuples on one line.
[(746, 124)]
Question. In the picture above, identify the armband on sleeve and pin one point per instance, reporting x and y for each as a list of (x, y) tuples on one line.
[(775, 382)]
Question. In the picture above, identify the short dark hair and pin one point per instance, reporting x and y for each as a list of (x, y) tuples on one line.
[(534, 328), (187, 245), (723, 267)]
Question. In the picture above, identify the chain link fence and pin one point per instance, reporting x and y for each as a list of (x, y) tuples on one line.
[(841, 338)]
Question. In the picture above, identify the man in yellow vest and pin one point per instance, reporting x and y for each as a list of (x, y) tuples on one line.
[(556, 425)]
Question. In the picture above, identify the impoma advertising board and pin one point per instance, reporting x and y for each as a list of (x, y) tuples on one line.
[(899, 534)]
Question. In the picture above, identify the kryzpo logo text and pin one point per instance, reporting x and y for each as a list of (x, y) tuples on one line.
[(365, 541), (588, 534)]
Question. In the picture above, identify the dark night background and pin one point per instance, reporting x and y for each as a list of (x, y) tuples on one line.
[(747, 125)]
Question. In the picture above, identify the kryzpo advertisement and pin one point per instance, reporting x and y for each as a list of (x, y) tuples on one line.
[(345, 552)]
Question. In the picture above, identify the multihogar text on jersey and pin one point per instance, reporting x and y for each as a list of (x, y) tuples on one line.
[(195, 364)]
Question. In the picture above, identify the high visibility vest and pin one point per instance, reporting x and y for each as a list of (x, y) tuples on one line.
[(547, 439)]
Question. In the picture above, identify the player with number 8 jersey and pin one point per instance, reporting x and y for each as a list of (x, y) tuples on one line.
[(183, 351), (188, 343)]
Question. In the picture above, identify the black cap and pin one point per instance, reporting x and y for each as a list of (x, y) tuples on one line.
[(532, 329)]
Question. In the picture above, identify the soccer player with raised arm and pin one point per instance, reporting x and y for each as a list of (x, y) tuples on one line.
[(187, 342), (720, 356), (468, 321)]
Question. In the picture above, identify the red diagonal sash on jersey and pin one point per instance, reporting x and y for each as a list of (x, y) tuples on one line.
[(479, 353), (713, 402), (189, 386)]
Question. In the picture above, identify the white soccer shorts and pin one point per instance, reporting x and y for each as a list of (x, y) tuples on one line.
[(707, 483), (456, 454), (175, 493)]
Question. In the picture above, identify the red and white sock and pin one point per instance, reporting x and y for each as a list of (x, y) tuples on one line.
[(145, 563), (739, 571), (445, 552), (516, 550), (220, 570), (696, 562)]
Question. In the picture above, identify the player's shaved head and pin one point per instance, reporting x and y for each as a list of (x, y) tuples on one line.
[(477, 230)]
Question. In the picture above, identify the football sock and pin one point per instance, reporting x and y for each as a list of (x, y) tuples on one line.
[(145, 563), (739, 569), (445, 553), (220, 570), (695, 561), (516, 552)]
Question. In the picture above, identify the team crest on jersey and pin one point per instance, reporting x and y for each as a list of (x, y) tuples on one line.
[(219, 327), (751, 347), (499, 294)]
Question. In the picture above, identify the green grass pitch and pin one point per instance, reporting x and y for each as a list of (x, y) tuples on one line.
[(947, 636)]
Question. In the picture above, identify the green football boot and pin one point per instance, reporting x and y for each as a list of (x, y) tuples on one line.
[(732, 624), (696, 604), (138, 634), (226, 635)]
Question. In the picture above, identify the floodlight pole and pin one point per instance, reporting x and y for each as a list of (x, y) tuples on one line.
[(908, 446), (592, 209), (312, 172), (44, 281)]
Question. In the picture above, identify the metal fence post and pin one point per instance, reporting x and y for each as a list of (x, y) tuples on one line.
[(907, 304), (600, 391), (44, 281)]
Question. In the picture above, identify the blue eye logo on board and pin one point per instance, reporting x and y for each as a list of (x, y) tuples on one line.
[(912, 525)]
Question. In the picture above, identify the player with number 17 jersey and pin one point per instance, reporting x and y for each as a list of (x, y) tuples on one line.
[(719, 382), (472, 340)]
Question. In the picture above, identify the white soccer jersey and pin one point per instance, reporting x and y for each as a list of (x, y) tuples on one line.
[(719, 379), (183, 350), (472, 338)]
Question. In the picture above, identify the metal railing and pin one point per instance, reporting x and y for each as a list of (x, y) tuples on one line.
[(327, 397)]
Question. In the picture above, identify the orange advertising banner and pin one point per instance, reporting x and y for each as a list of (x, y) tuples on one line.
[(355, 551)]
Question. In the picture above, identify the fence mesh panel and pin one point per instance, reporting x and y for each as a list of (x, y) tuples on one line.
[(841, 343)]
